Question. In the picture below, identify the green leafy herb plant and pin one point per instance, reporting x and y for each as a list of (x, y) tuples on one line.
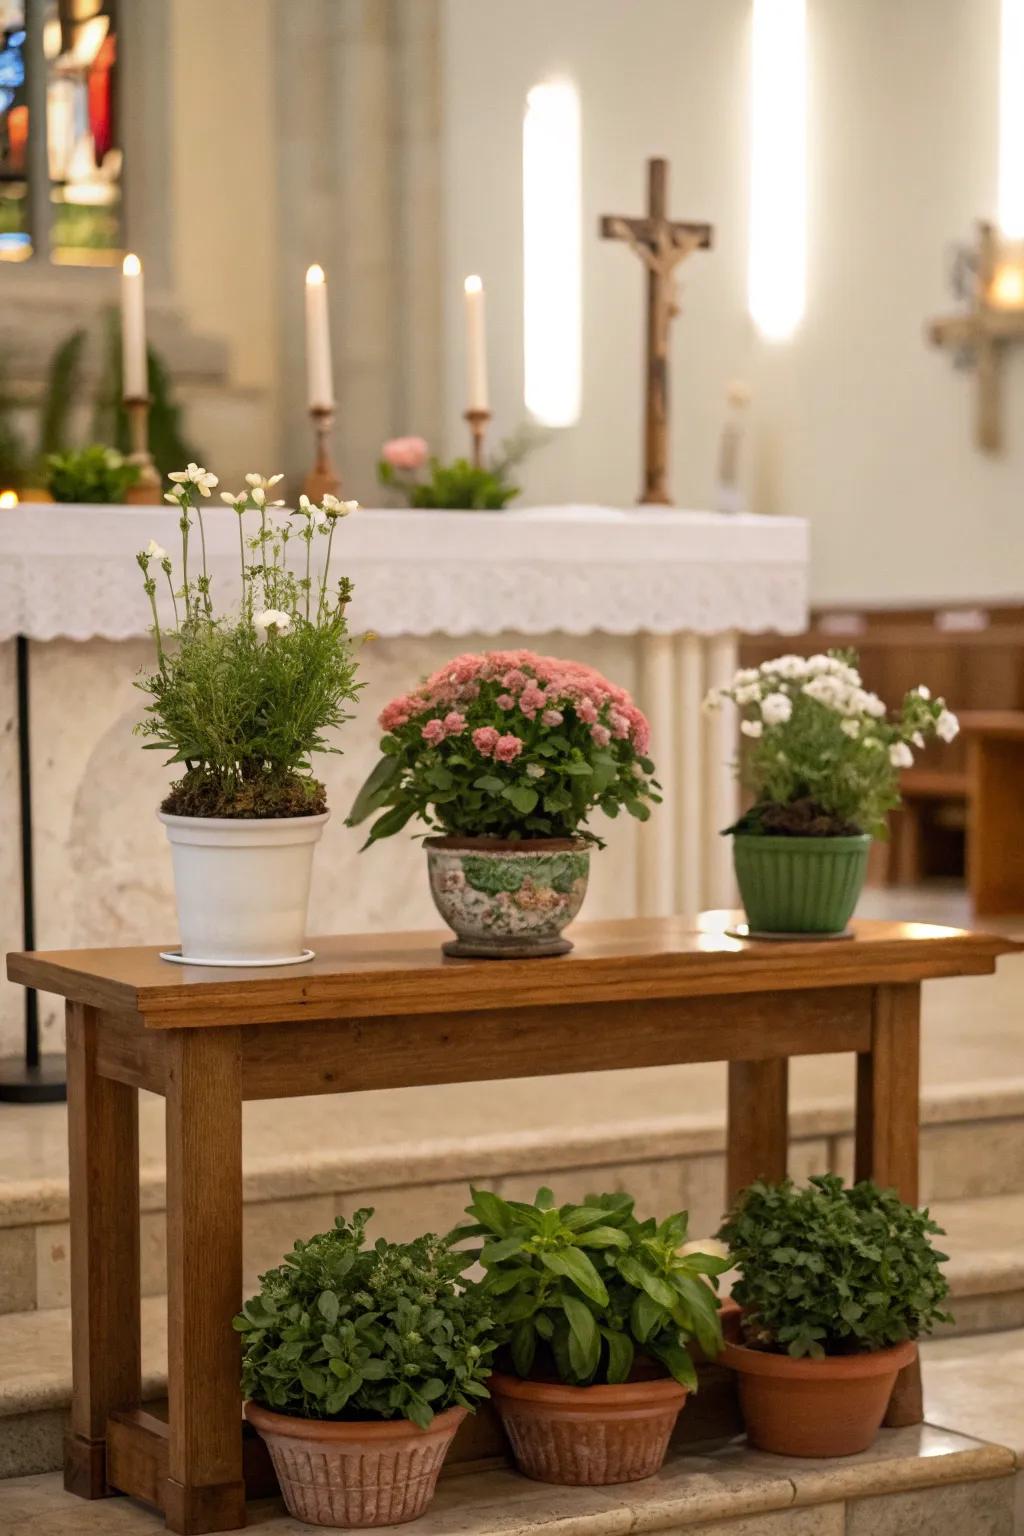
[(341, 1330), (833, 1270), (407, 466), (93, 474), (244, 697), (578, 1292)]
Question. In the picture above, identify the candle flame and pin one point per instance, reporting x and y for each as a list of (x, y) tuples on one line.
[(8, 498), (131, 266), (474, 284), (315, 274)]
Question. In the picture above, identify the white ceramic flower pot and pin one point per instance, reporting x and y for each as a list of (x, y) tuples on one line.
[(242, 886)]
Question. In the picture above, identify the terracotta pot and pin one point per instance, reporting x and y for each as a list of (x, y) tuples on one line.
[(507, 900), (355, 1474), (588, 1436), (830, 1407)]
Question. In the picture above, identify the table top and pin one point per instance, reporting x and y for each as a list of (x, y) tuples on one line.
[(375, 975)]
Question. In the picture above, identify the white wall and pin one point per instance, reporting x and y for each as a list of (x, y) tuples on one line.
[(856, 424)]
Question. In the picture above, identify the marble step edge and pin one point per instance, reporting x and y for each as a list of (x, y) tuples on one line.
[(723, 1482), (986, 1295), (29, 1200)]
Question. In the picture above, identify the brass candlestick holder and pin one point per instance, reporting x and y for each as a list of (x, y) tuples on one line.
[(478, 420), (323, 479), (146, 490)]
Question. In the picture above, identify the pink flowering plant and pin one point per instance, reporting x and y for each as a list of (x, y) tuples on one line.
[(407, 466), (509, 745)]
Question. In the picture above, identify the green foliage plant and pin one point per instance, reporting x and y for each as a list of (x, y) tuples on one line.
[(509, 745), (822, 755), (579, 1291), (407, 466), (344, 1331), (243, 698), (93, 474), (833, 1270)]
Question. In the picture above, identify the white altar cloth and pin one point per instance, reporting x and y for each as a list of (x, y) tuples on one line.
[(68, 571)]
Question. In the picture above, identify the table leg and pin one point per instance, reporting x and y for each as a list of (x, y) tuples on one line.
[(103, 1146), (757, 1138), (888, 1120), (656, 855), (995, 856), (722, 798), (204, 1489)]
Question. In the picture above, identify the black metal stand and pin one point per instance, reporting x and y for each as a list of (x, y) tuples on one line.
[(35, 1079)]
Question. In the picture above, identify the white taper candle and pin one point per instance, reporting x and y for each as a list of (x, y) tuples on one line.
[(476, 345), (134, 373), (319, 377)]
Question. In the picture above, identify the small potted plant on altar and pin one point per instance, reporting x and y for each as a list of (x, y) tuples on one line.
[(358, 1365), (821, 760), (406, 465), (241, 699), (835, 1286), (597, 1309), (506, 755), (93, 474)]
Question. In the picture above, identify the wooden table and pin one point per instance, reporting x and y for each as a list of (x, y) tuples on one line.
[(995, 810), (390, 1011)]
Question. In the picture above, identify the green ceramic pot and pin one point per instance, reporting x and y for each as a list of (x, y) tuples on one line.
[(800, 884)]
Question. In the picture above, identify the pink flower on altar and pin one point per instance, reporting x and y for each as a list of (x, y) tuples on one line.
[(552, 717), (454, 723), (433, 732), (601, 735), (505, 701), (586, 710), (507, 748), (485, 739), (531, 699), (410, 453)]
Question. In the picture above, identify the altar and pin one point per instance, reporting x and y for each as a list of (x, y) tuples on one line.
[(654, 597)]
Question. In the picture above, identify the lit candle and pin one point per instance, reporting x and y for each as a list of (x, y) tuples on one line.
[(134, 373), (476, 345), (319, 380)]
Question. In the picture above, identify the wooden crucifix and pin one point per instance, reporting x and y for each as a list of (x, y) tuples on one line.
[(662, 244), (996, 317)]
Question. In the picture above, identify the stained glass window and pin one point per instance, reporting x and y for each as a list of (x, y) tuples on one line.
[(60, 178)]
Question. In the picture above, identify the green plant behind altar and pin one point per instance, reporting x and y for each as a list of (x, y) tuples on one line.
[(407, 466)]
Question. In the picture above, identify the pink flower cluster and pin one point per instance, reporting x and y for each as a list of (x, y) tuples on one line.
[(531, 685), (408, 453)]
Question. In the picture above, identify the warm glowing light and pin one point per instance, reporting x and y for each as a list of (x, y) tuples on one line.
[(474, 284), (131, 266), (8, 498), (1006, 289), (552, 325), (778, 167), (315, 274), (1011, 119)]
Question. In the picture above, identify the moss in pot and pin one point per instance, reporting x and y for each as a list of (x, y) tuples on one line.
[(359, 1364), (836, 1285), (504, 756), (821, 763), (596, 1310)]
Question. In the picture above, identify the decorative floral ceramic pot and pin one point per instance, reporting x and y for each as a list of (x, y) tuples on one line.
[(507, 900)]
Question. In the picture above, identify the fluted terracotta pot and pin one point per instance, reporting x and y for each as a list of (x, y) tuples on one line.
[(830, 1407), (351, 1474), (588, 1436)]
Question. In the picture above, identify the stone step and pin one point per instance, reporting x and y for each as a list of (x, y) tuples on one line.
[(928, 1480), (985, 1244), (306, 1159)]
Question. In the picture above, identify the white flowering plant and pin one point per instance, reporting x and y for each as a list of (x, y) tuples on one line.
[(243, 698), (822, 753)]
